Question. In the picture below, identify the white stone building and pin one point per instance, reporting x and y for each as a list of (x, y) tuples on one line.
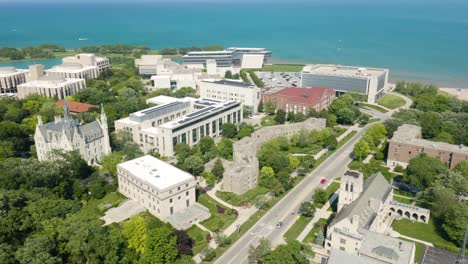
[(81, 66), (148, 64), (365, 212), (66, 134), (246, 93), (166, 191), (186, 120), (49, 86), (10, 78), (89, 59)]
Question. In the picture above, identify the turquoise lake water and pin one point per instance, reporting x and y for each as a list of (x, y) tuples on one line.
[(416, 42)]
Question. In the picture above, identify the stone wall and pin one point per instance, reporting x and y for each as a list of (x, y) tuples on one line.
[(241, 174)]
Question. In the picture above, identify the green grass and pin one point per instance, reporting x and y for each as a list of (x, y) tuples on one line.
[(314, 149), (375, 107), (250, 197), (402, 199), (391, 101), (331, 189), (427, 232), (97, 207), (404, 193), (419, 250), (199, 237), (217, 221), (319, 225), (283, 68), (268, 121), (295, 230)]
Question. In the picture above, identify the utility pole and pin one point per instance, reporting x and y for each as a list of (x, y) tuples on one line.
[(461, 255)]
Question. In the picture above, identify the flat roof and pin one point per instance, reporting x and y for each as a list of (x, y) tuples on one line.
[(10, 71), (345, 71), (161, 99), (226, 52), (50, 82), (231, 83), (155, 172)]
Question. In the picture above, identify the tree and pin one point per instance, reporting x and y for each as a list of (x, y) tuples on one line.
[(291, 116), (135, 231), (361, 149), (208, 254), (330, 142), (319, 238), (377, 132), (260, 106), (269, 108), (245, 131), (206, 144), (222, 240), (303, 138), (38, 250), (345, 116), (229, 130), (160, 247), (294, 162), (320, 196), (109, 163), (391, 125), (184, 242), (194, 164), (307, 209), (280, 116), (423, 169), (246, 111), (456, 222), (218, 169), (228, 74), (292, 253), (256, 253), (182, 150), (209, 178), (225, 148)]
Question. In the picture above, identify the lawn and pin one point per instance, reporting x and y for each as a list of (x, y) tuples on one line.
[(404, 193), (319, 225), (97, 207), (296, 229), (391, 101), (283, 68), (251, 196), (199, 237), (268, 120), (217, 221), (426, 232), (402, 199), (314, 149), (331, 189), (375, 107)]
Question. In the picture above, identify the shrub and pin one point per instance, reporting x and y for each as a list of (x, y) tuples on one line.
[(220, 209), (208, 254)]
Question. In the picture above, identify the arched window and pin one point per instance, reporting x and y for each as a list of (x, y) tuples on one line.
[(352, 185), (346, 187)]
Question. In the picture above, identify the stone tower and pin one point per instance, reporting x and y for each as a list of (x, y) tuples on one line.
[(105, 131), (350, 188)]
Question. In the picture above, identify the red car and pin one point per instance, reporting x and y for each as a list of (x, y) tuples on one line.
[(323, 181)]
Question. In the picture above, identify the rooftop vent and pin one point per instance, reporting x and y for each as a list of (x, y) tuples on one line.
[(306, 95)]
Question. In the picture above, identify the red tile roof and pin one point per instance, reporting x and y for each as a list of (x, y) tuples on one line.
[(311, 95), (76, 107)]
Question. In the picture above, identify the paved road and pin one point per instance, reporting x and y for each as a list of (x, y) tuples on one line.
[(334, 166)]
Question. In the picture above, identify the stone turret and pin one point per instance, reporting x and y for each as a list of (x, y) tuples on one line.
[(350, 188)]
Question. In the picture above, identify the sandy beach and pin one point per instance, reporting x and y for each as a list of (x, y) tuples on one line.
[(459, 93)]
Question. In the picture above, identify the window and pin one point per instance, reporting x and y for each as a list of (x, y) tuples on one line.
[(341, 248), (170, 200), (178, 198), (342, 241), (178, 188), (186, 193), (188, 203), (171, 210)]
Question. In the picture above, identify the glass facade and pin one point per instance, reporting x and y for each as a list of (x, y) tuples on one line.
[(339, 83)]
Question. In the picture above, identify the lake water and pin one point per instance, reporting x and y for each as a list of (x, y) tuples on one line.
[(426, 42)]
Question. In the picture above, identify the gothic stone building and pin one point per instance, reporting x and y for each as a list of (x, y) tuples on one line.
[(67, 134)]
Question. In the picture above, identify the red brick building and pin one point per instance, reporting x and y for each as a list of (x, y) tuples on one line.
[(296, 99)]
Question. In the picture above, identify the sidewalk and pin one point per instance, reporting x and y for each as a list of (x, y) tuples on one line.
[(320, 213)]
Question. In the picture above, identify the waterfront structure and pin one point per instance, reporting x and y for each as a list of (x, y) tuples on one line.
[(49, 86), (10, 78), (185, 120), (166, 191), (81, 66), (66, 134), (407, 143), (365, 211), (300, 100), (230, 57), (249, 95), (148, 64), (370, 82), (241, 174)]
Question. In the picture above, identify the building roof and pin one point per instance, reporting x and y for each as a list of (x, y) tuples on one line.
[(411, 134), (10, 71), (386, 248), (155, 172), (231, 83), (375, 188), (433, 255), (343, 71), (310, 96), (339, 257), (76, 107)]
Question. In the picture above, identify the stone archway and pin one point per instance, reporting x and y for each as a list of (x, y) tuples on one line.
[(414, 217), (408, 215), (423, 218), (400, 213)]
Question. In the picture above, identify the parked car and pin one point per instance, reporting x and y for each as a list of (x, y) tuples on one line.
[(279, 225)]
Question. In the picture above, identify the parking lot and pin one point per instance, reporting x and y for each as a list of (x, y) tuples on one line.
[(280, 79)]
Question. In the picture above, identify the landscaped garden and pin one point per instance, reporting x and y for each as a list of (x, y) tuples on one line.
[(318, 226), (391, 101), (221, 217)]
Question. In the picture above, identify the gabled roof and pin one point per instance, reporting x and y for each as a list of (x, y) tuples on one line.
[(377, 188)]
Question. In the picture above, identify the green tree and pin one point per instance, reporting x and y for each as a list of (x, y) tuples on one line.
[(292, 253), (208, 254), (330, 142), (307, 209), (228, 74), (182, 150), (209, 178), (225, 148), (218, 169), (269, 108), (294, 162), (361, 149), (194, 164), (222, 240), (345, 116), (256, 253), (280, 116), (160, 247), (109, 163), (206, 144), (422, 170), (135, 231), (228, 130), (38, 250), (320, 196), (456, 223)]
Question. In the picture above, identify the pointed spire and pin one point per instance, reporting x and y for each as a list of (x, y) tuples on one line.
[(66, 109), (103, 116)]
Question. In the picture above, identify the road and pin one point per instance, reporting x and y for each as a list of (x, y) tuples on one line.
[(333, 166)]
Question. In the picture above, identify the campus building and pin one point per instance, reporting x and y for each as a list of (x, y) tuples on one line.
[(67, 134), (366, 209), (80, 66), (166, 191), (49, 86), (148, 64), (371, 82), (407, 143), (173, 121), (230, 57), (300, 100), (249, 95), (10, 78), (89, 59)]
